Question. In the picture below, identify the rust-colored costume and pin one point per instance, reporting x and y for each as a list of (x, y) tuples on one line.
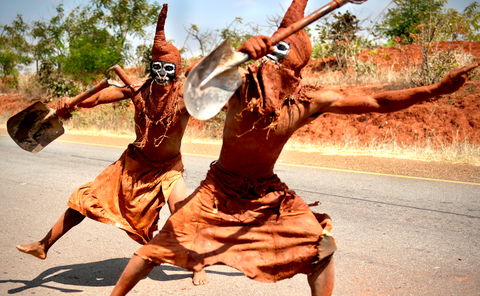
[(259, 227), (242, 215), (129, 193), (256, 225)]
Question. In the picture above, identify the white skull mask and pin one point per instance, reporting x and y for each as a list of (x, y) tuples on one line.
[(280, 51), (163, 72)]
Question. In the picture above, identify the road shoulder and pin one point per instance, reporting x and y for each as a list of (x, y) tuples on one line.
[(361, 163)]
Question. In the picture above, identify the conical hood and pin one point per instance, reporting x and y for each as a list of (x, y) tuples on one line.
[(162, 50), (300, 45)]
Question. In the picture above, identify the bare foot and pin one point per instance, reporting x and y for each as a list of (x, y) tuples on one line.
[(199, 278), (36, 249)]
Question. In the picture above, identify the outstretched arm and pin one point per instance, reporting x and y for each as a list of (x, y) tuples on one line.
[(336, 101), (108, 95)]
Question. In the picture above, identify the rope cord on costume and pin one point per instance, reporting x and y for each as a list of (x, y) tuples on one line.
[(166, 120), (258, 106), (253, 95)]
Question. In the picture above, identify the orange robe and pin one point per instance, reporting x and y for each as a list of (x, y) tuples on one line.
[(129, 193), (259, 227)]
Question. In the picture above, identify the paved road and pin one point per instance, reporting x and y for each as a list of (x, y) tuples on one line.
[(396, 236)]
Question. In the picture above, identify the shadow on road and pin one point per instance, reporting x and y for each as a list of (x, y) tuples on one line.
[(96, 274)]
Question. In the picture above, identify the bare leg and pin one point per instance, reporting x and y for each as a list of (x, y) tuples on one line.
[(322, 280), (179, 193), (65, 222), (136, 269)]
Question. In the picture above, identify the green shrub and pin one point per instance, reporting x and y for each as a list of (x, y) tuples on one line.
[(435, 66)]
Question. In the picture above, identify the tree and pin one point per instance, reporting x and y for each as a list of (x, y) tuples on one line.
[(403, 19), (14, 48), (337, 36), (143, 54), (90, 54), (207, 40), (235, 35), (428, 20), (124, 18), (425, 22), (50, 40), (344, 27), (469, 23), (450, 25), (72, 49), (91, 49), (49, 50)]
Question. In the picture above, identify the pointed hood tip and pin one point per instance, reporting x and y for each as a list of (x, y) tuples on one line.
[(300, 44), (160, 30), (163, 50), (295, 12)]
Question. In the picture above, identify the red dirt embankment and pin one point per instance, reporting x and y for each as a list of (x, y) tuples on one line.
[(445, 120), (410, 55), (449, 119)]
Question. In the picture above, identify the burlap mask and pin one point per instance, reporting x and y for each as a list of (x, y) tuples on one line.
[(162, 50)]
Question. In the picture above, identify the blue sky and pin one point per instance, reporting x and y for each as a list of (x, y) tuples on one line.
[(207, 14)]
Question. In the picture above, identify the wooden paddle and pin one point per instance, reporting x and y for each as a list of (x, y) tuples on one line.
[(38, 125)]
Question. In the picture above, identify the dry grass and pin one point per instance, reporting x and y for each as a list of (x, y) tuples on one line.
[(117, 119), (404, 68), (99, 132), (92, 122), (459, 152), (383, 76), (28, 87)]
